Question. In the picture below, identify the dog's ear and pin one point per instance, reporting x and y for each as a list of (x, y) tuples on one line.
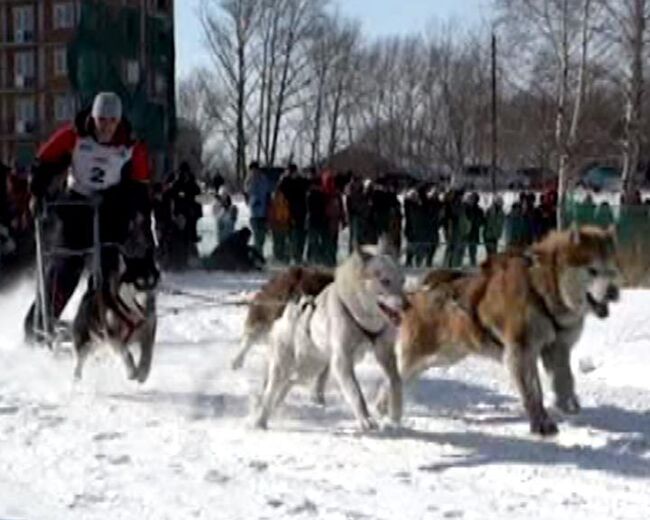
[(386, 247), (362, 252)]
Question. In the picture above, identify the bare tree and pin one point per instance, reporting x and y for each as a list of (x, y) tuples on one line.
[(228, 29), (630, 24), (560, 28)]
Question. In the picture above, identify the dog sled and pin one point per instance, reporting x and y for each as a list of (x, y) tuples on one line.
[(56, 334)]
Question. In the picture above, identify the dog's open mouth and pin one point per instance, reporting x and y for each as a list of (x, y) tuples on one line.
[(394, 316), (600, 308)]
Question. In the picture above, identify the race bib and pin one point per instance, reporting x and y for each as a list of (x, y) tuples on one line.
[(96, 167)]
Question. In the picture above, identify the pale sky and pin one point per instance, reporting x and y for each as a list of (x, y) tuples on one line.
[(378, 18)]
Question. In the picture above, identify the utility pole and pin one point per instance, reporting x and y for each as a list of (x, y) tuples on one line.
[(494, 113)]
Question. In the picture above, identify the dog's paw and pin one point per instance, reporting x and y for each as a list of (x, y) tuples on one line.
[(569, 405), (257, 423), (318, 399), (381, 405), (142, 376), (367, 424), (237, 363), (544, 426)]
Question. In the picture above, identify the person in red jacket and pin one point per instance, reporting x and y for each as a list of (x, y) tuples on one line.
[(93, 158)]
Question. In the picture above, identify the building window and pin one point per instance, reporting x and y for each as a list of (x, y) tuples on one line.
[(62, 107), (64, 15), (60, 61), (25, 115), (23, 23), (132, 72), (24, 69)]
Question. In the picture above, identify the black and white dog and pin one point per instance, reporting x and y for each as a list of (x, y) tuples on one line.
[(121, 313)]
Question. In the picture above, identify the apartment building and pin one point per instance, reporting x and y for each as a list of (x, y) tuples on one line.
[(36, 95)]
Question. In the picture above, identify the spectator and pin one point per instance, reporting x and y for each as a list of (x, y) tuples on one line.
[(316, 223), (226, 219), (456, 228), (414, 228), (185, 212), (354, 204), (431, 222), (258, 193), (604, 216), (476, 221), (548, 213), (234, 254), (586, 211), (334, 215), (368, 232), (515, 234), (279, 222), (494, 224), (295, 187)]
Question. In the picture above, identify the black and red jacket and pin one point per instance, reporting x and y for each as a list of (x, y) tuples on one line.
[(92, 167)]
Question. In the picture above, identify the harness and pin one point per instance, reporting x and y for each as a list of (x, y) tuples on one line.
[(130, 314), (538, 301), (372, 336)]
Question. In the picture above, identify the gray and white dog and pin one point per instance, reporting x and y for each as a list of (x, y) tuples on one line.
[(359, 311)]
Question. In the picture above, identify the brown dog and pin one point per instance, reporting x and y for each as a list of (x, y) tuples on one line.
[(520, 306), (269, 303)]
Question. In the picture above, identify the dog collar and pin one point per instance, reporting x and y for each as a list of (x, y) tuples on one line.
[(371, 335)]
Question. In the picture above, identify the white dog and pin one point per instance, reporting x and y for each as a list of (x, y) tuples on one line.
[(360, 310)]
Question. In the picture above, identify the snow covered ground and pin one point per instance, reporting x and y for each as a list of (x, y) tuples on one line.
[(179, 448)]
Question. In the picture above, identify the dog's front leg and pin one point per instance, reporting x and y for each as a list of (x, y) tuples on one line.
[(82, 349), (522, 364), (557, 362), (385, 354), (146, 355), (318, 390), (342, 365), (127, 359)]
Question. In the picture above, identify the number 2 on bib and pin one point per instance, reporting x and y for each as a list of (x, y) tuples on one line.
[(97, 175)]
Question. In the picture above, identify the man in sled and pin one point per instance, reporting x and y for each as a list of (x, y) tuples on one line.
[(93, 160)]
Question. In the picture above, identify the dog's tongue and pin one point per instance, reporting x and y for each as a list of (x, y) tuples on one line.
[(393, 316)]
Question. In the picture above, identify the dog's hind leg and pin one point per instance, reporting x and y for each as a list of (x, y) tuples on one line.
[(278, 383), (522, 364), (342, 366), (318, 390), (248, 340), (557, 362)]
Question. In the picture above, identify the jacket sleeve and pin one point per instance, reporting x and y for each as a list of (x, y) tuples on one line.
[(53, 157), (136, 181), (140, 163)]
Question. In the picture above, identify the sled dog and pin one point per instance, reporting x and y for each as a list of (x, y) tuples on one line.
[(519, 307), (121, 315), (359, 311), (269, 303)]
